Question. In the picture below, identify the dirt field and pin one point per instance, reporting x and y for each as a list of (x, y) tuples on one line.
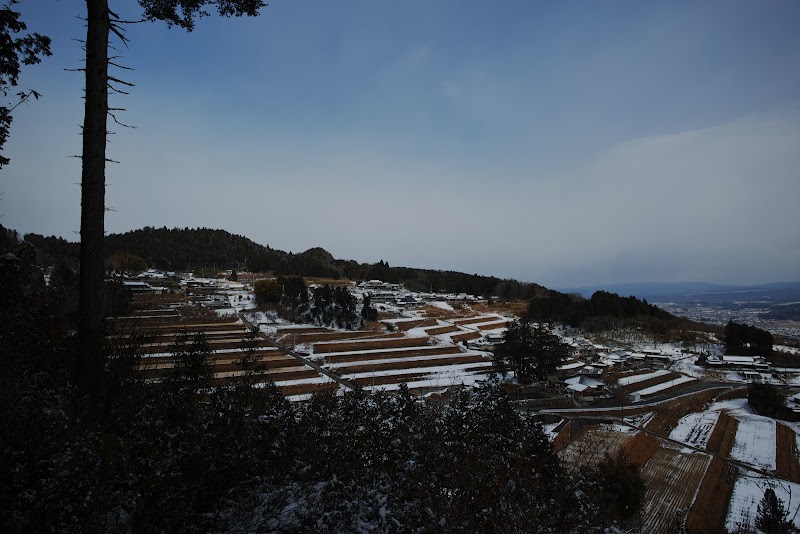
[(492, 326), (414, 323), (786, 463), (441, 330), (326, 348), (516, 307), (591, 445), (320, 337), (413, 364), (563, 438), (379, 355), (641, 448), (672, 479), (466, 336), (711, 505)]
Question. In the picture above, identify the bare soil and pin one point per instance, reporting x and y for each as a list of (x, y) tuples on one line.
[(466, 336), (325, 348), (672, 479), (413, 364), (354, 357), (711, 505), (640, 449), (493, 326), (441, 330), (787, 465)]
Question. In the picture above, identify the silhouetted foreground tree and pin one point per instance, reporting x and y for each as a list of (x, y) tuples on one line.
[(100, 23)]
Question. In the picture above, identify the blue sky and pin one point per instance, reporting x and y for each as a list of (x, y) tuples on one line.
[(565, 143)]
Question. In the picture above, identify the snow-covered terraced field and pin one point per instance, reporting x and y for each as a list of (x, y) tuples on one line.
[(755, 441), (665, 385), (695, 428), (628, 380)]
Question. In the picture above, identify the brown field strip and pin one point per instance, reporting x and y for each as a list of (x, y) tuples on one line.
[(261, 354), (564, 437), (414, 323), (492, 326), (466, 336), (723, 435), (156, 312), (671, 478), (391, 343), (638, 386), (305, 389), (711, 505), (322, 337), (296, 374), (378, 355), (786, 463), (160, 369), (387, 379), (302, 330), (641, 448), (214, 344), (183, 326), (441, 330), (475, 320), (169, 338), (412, 364)]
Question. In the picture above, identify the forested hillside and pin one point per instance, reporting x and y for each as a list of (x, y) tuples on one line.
[(208, 249)]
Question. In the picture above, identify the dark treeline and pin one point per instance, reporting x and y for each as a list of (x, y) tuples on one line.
[(605, 311), (179, 249), (747, 340), (182, 456)]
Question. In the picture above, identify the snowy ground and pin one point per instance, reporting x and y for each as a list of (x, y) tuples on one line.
[(755, 440), (625, 381), (665, 385), (695, 428), (748, 492)]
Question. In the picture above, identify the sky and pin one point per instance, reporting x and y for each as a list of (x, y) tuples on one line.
[(566, 143)]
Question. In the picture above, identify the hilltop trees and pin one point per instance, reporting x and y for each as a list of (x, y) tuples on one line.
[(746, 340), (531, 350)]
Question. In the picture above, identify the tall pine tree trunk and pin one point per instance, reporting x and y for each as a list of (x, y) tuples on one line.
[(90, 328)]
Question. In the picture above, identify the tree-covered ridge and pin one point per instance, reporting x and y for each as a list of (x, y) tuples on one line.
[(181, 249), (747, 340), (605, 311)]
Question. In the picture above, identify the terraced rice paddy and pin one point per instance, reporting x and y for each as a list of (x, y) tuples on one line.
[(424, 351)]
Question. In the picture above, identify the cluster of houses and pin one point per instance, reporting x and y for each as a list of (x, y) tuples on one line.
[(396, 294)]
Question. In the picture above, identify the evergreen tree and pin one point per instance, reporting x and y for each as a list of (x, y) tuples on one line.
[(771, 515), (531, 350)]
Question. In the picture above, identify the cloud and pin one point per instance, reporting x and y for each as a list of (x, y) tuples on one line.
[(712, 204)]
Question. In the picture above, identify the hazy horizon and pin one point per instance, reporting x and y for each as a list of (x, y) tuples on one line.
[(564, 144)]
